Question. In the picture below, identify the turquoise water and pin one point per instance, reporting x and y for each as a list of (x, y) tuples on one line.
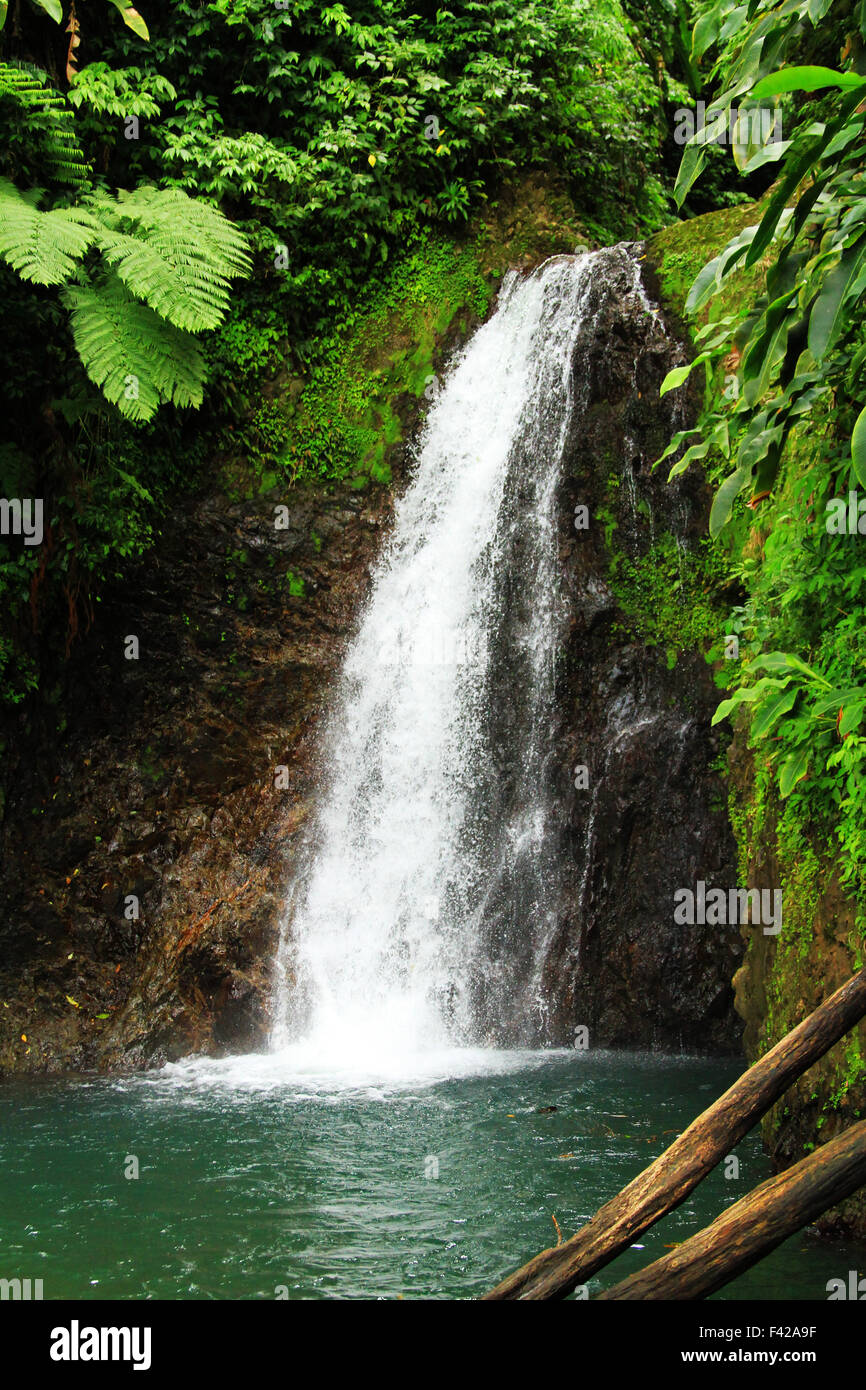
[(325, 1187)]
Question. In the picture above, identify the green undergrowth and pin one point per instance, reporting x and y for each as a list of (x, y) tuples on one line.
[(368, 379), (338, 422), (670, 597), (816, 921), (802, 593), (346, 418)]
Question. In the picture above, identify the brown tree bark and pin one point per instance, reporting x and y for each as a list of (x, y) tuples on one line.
[(667, 1182), (752, 1227)]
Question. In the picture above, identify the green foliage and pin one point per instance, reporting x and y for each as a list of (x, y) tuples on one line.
[(818, 717), (160, 247), (804, 336), (336, 136), (783, 355), (249, 346), (121, 92), (805, 697), (43, 140), (670, 596)]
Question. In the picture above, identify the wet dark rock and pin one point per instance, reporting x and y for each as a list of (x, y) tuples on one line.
[(163, 789), (654, 815)]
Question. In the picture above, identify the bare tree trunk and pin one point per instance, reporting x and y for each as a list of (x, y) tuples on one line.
[(667, 1182), (752, 1227)]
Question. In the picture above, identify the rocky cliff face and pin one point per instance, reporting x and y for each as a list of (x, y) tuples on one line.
[(145, 854), (637, 701), (148, 842)]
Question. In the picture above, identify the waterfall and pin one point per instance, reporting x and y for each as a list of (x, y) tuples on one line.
[(429, 884)]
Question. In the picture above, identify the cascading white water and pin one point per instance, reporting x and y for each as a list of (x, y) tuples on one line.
[(393, 937)]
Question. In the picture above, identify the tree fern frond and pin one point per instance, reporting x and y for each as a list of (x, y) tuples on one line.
[(172, 212), (29, 88), (137, 358), (176, 253), (43, 247), (183, 291)]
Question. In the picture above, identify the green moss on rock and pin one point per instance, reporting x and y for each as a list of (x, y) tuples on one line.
[(357, 404)]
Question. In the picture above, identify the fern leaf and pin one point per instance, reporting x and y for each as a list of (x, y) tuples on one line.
[(51, 121), (182, 291), (136, 357), (176, 253), (43, 247)]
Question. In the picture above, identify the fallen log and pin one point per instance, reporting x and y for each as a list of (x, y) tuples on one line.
[(667, 1182), (752, 1227)]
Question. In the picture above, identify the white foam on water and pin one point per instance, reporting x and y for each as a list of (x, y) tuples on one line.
[(305, 1071)]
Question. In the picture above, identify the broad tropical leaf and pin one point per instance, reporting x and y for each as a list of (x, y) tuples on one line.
[(827, 314), (793, 769), (852, 716), (769, 712), (724, 498), (132, 18), (806, 79), (677, 375), (858, 448)]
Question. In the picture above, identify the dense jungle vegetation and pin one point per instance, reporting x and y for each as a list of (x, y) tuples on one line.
[(783, 427), (198, 200), (261, 165)]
